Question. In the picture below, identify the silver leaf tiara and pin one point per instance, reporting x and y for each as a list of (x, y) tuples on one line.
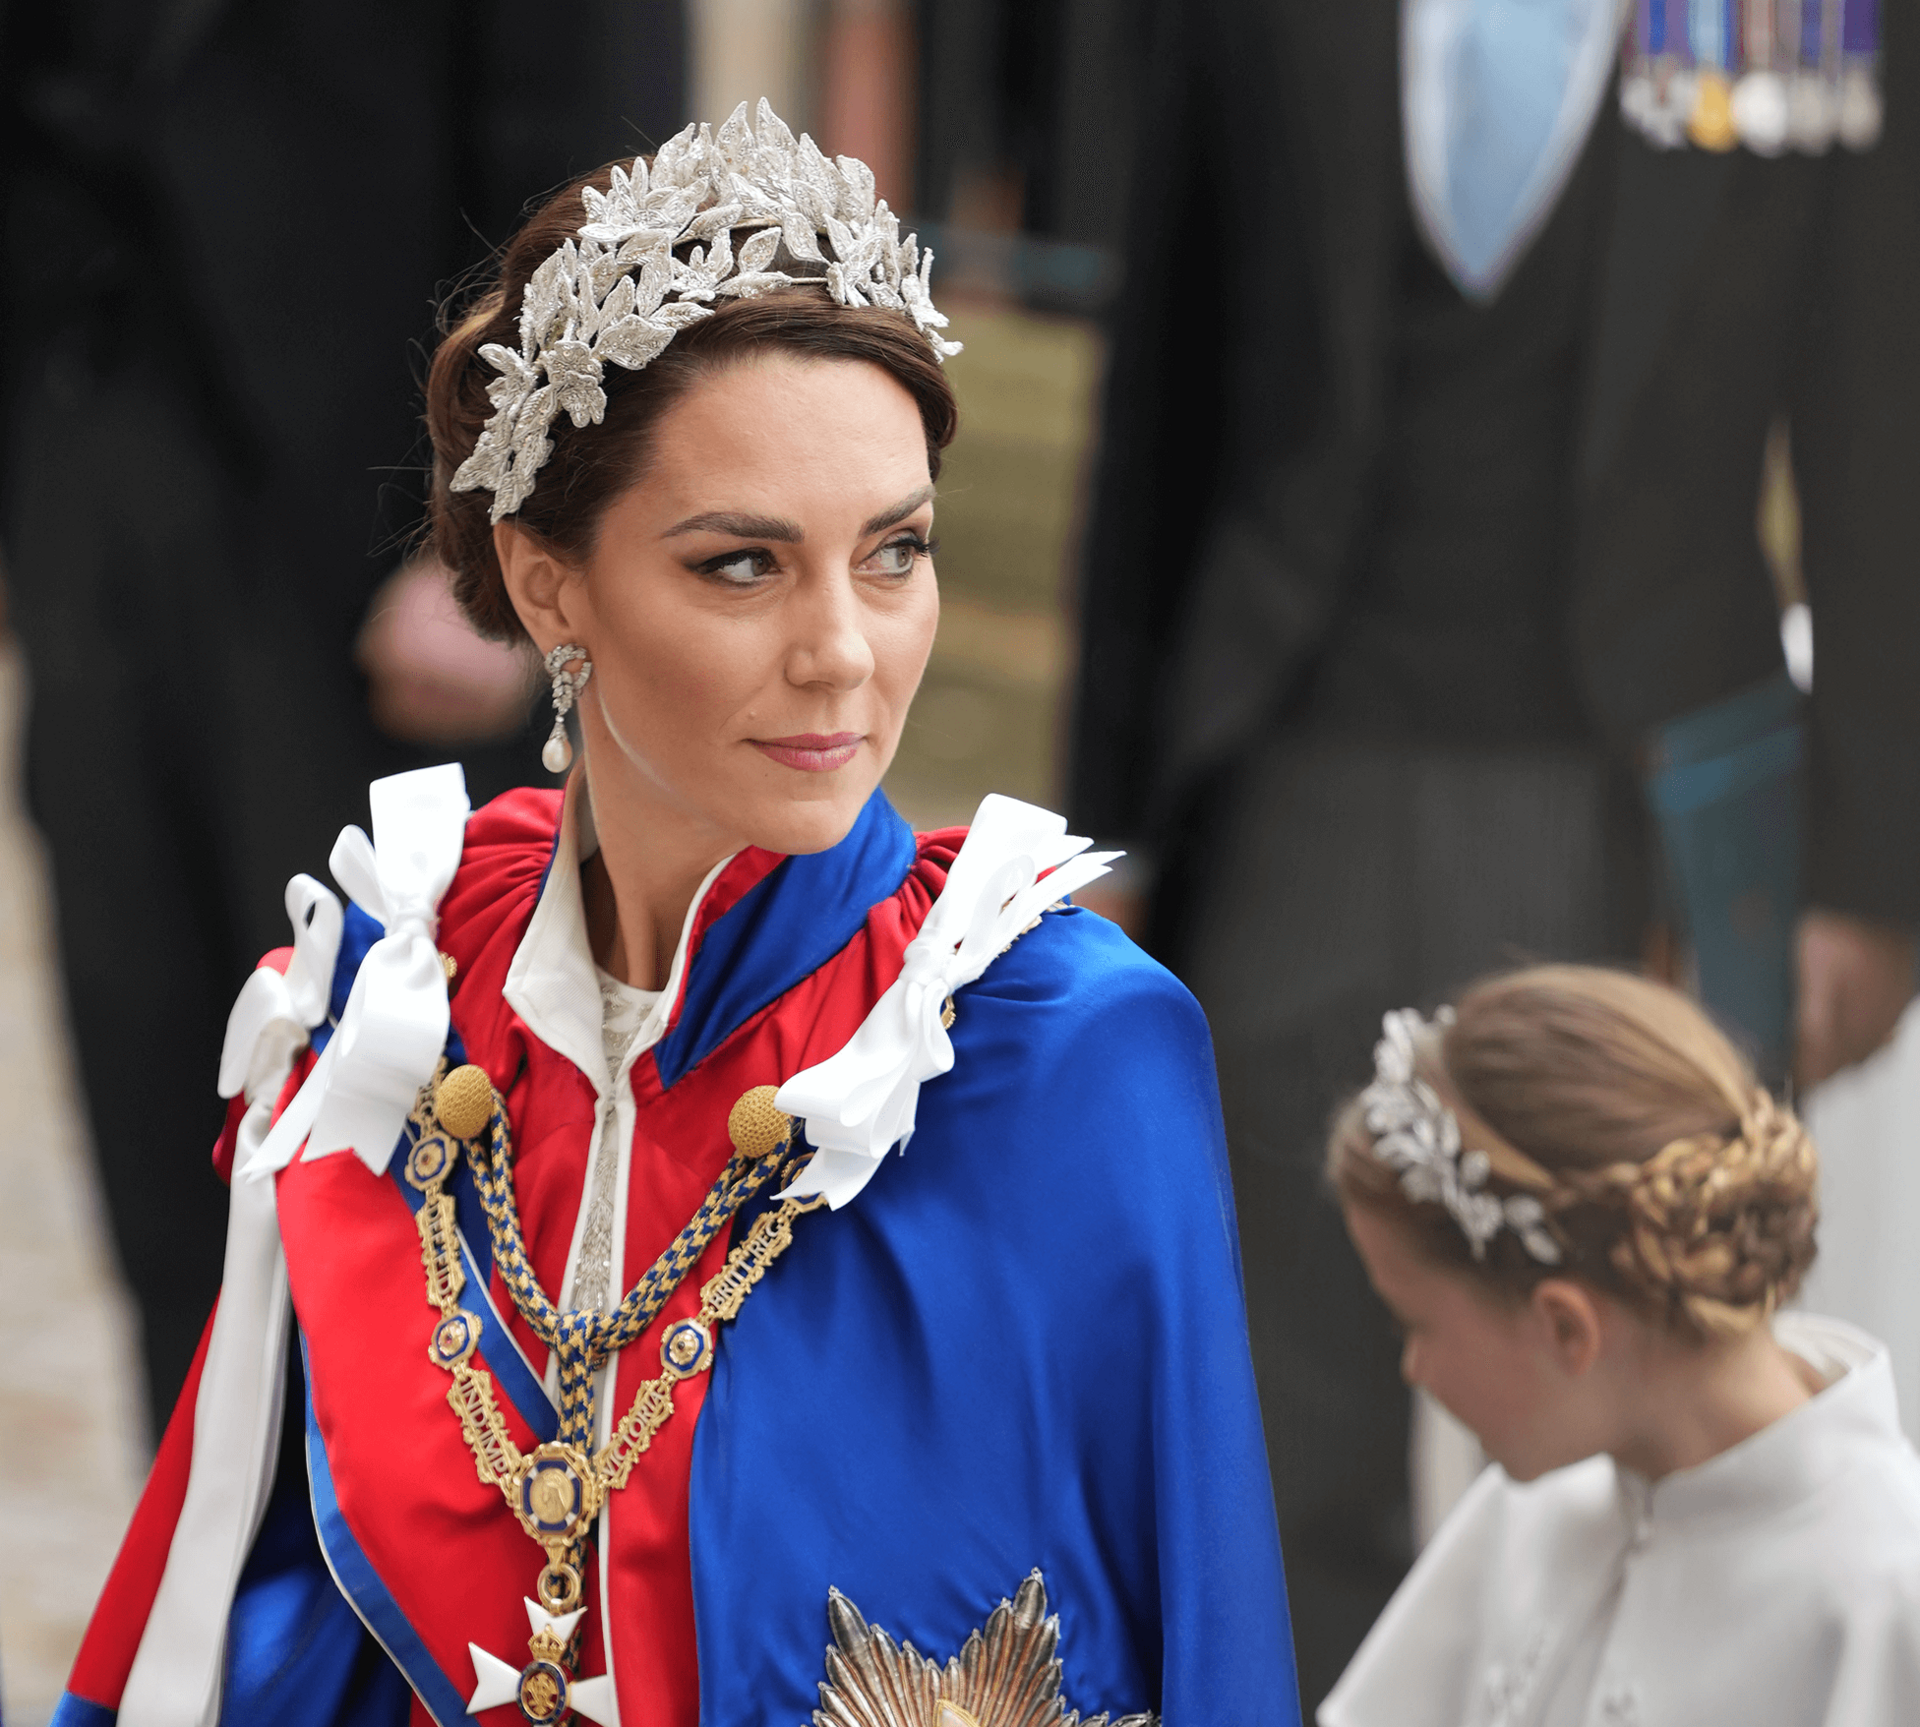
[(1416, 1135), (619, 290)]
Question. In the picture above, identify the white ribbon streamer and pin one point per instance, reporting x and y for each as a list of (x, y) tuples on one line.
[(176, 1675), (859, 1103), (395, 1023)]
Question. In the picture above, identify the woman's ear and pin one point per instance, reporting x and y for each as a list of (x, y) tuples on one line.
[(547, 594), (1569, 1318)]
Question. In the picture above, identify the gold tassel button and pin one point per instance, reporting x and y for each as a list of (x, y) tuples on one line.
[(755, 1126), (463, 1100)]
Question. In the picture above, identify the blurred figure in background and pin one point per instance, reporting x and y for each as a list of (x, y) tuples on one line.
[(181, 388), (1424, 622), (1029, 114)]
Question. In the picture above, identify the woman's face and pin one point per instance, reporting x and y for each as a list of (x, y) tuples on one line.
[(759, 608)]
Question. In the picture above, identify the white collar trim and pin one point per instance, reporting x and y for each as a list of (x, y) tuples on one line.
[(552, 983), (1789, 1458)]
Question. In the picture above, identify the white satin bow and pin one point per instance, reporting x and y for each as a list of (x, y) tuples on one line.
[(394, 1027), (860, 1102), (275, 1011)]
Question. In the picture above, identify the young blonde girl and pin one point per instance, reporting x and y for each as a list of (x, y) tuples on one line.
[(1586, 1216)]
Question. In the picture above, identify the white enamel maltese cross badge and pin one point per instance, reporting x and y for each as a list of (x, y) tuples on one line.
[(542, 1688)]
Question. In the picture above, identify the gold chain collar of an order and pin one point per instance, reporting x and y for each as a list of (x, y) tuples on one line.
[(556, 1491)]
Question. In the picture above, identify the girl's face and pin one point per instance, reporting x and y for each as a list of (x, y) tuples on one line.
[(1508, 1369), (759, 608)]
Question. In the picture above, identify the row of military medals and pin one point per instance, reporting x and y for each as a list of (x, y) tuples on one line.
[(557, 1489), (1772, 75)]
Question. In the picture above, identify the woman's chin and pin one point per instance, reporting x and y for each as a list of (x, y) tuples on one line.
[(810, 818)]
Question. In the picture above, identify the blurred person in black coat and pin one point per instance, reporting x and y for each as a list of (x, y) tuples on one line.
[(206, 477), (1398, 599)]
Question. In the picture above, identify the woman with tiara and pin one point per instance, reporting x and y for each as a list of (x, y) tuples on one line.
[(626, 1375), (1587, 1217)]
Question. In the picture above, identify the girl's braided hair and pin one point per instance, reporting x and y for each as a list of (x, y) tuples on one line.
[(1668, 1176)]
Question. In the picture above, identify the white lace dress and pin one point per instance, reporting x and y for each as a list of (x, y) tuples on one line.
[(624, 1013)]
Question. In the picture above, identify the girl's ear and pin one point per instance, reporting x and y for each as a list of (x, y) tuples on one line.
[(1569, 1318)]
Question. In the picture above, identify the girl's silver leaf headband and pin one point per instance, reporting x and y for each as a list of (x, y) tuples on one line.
[(655, 253), (1416, 1135)]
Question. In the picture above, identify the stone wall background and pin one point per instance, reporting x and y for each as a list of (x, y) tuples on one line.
[(72, 1448)]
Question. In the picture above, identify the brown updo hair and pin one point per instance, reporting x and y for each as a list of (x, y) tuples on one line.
[(1668, 1177), (594, 464)]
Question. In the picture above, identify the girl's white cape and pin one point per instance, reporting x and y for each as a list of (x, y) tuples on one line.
[(1777, 1585)]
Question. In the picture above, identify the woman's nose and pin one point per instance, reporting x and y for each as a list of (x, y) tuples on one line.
[(829, 645)]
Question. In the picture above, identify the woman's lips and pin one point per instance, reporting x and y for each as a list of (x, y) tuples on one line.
[(812, 752)]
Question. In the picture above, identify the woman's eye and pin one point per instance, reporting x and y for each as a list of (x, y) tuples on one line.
[(897, 557), (742, 569)]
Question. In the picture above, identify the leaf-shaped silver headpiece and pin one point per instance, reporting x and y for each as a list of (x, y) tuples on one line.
[(657, 251), (1417, 1136)]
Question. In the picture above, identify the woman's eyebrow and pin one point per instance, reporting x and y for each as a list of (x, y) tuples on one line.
[(745, 527), (898, 513), (742, 527)]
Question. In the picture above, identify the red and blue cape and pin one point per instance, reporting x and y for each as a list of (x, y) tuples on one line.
[(1022, 1347)]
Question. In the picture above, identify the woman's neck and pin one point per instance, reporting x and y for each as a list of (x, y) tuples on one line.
[(1691, 1404), (637, 887)]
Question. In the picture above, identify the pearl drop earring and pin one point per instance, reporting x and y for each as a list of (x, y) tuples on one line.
[(557, 756)]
